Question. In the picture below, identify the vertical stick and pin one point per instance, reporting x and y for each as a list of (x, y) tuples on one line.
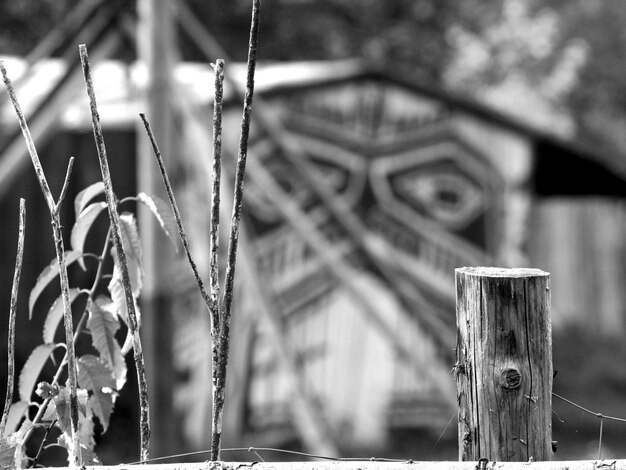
[(233, 240), (12, 314), (504, 364), (216, 417), (144, 425), (54, 208)]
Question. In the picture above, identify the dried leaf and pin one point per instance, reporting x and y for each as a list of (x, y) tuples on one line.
[(47, 275), (46, 390)]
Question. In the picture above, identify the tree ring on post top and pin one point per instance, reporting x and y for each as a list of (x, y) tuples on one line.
[(510, 379)]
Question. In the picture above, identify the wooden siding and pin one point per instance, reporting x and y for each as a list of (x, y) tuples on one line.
[(582, 243)]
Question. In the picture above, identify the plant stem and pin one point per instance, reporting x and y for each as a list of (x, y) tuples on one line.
[(214, 238), (60, 253), (42, 446), (66, 183), (121, 258), (234, 231), (79, 329), (179, 223), (12, 314)]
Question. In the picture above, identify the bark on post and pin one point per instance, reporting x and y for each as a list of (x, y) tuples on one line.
[(504, 364)]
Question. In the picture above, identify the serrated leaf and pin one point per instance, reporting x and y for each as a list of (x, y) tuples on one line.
[(86, 430), (86, 195), (55, 314), (118, 304), (130, 237), (46, 276), (90, 457), (62, 407), (95, 376), (81, 227), (135, 274), (103, 326), (16, 413), (163, 214), (26, 427), (32, 368), (102, 405), (87, 442), (9, 456)]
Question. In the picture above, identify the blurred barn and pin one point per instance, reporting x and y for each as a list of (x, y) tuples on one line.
[(363, 192)]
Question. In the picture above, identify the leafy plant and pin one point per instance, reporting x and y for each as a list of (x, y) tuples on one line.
[(101, 366), (94, 379)]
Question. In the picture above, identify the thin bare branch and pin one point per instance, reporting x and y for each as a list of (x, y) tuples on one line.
[(215, 191), (30, 144), (12, 314), (214, 236), (66, 183), (179, 223), (63, 278), (144, 424), (234, 229)]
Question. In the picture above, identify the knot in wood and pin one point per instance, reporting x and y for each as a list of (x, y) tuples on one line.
[(510, 379)]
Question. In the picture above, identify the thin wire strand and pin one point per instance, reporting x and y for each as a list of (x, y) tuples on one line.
[(256, 450), (600, 440), (442, 434), (593, 413)]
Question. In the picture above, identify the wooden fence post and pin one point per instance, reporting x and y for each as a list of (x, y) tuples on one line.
[(504, 364)]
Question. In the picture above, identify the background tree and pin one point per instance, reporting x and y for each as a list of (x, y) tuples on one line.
[(516, 60)]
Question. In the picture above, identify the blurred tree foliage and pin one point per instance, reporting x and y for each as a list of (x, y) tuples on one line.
[(562, 61), (598, 102), (516, 59), (405, 34), (23, 24)]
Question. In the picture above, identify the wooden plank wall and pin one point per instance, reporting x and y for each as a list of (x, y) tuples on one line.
[(581, 242)]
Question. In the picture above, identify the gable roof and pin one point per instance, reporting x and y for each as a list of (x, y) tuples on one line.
[(562, 166)]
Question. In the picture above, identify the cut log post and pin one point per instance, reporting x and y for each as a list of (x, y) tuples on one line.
[(504, 364)]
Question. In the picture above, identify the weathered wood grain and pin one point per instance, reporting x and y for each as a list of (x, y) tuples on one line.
[(504, 364)]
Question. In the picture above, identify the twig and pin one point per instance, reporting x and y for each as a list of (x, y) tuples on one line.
[(60, 253), (214, 236), (144, 423), (12, 314), (42, 445), (179, 223), (30, 144), (66, 183), (234, 230)]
